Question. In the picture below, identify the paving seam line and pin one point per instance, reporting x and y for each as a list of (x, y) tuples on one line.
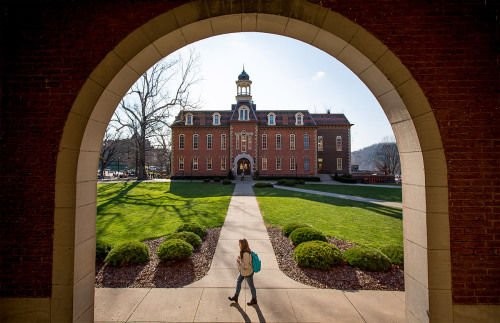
[(137, 305)]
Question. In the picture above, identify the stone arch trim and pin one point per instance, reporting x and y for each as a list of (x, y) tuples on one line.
[(426, 227), (243, 156)]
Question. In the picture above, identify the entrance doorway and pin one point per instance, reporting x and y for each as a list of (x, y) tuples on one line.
[(243, 167)]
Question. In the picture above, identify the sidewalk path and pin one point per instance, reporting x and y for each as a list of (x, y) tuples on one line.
[(343, 196), (280, 298)]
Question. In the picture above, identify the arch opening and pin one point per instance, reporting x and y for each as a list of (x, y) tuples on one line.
[(426, 228)]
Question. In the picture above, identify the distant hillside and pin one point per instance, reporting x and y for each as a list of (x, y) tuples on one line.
[(365, 157)]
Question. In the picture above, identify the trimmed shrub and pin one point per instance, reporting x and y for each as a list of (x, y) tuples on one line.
[(367, 259), (190, 237), (102, 249), (174, 249), (317, 254), (226, 181), (304, 234), (394, 253), (131, 252), (286, 182), (290, 227), (263, 184), (193, 227), (206, 180)]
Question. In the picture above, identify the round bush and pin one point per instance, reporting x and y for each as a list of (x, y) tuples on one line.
[(317, 254), (131, 252), (102, 249), (290, 227), (190, 237), (300, 235), (226, 181), (193, 227), (174, 249), (367, 259), (395, 254)]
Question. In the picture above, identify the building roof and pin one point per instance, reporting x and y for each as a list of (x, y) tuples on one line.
[(243, 76), (283, 118)]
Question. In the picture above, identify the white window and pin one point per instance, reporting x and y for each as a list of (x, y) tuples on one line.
[(278, 141), (243, 113), (299, 119), (320, 143), (223, 141), (264, 141), (196, 141), (181, 141), (216, 119), (278, 163), (223, 163), (181, 163), (237, 141), (339, 163), (249, 139), (243, 142), (189, 119), (292, 141), (195, 163), (209, 141), (271, 119), (339, 143), (264, 163), (306, 164), (293, 164), (209, 163), (306, 141)]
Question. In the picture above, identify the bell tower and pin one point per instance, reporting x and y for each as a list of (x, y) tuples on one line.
[(243, 88)]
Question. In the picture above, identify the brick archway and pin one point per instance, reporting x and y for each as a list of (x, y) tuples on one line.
[(425, 203)]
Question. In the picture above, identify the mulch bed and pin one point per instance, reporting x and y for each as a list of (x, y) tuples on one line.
[(181, 273), (160, 274)]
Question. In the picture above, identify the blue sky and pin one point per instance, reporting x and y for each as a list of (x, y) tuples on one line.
[(286, 74)]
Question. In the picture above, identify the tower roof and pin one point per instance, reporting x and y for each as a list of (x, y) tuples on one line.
[(243, 76)]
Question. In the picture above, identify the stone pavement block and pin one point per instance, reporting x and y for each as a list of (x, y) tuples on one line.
[(322, 305), (274, 278), (117, 304), (168, 305), (378, 306), (273, 306), (215, 307), (261, 245)]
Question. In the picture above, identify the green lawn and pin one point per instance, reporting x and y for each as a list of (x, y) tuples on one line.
[(140, 211), (362, 223), (379, 193)]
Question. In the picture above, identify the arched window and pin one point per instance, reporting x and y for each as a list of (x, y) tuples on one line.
[(189, 119), (299, 119), (271, 119), (216, 119), (243, 113)]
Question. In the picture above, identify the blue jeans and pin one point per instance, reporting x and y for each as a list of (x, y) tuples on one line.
[(250, 284)]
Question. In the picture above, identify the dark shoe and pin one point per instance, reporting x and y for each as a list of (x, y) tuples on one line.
[(253, 301), (233, 298)]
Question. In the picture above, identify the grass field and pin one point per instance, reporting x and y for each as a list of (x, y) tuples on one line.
[(379, 193), (140, 211), (362, 223)]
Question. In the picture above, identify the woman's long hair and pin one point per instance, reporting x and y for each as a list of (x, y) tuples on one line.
[(244, 247)]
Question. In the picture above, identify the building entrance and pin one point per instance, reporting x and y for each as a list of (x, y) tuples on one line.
[(243, 167)]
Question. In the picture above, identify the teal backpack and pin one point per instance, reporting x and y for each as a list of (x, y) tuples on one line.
[(256, 263)]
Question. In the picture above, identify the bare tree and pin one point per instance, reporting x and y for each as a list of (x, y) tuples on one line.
[(158, 95), (109, 148), (387, 157)]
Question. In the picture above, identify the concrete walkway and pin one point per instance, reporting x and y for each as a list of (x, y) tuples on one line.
[(343, 196), (280, 298)]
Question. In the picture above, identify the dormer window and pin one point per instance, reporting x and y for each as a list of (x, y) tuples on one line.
[(271, 119), (299, 119), (189, 119), (243, 113), (216, 119)]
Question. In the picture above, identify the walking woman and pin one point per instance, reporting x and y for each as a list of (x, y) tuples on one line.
[(246, 272)]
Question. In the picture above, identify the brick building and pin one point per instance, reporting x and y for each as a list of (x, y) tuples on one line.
[(245, 140)]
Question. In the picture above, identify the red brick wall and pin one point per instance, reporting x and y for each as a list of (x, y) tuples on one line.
[(47, 52)]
